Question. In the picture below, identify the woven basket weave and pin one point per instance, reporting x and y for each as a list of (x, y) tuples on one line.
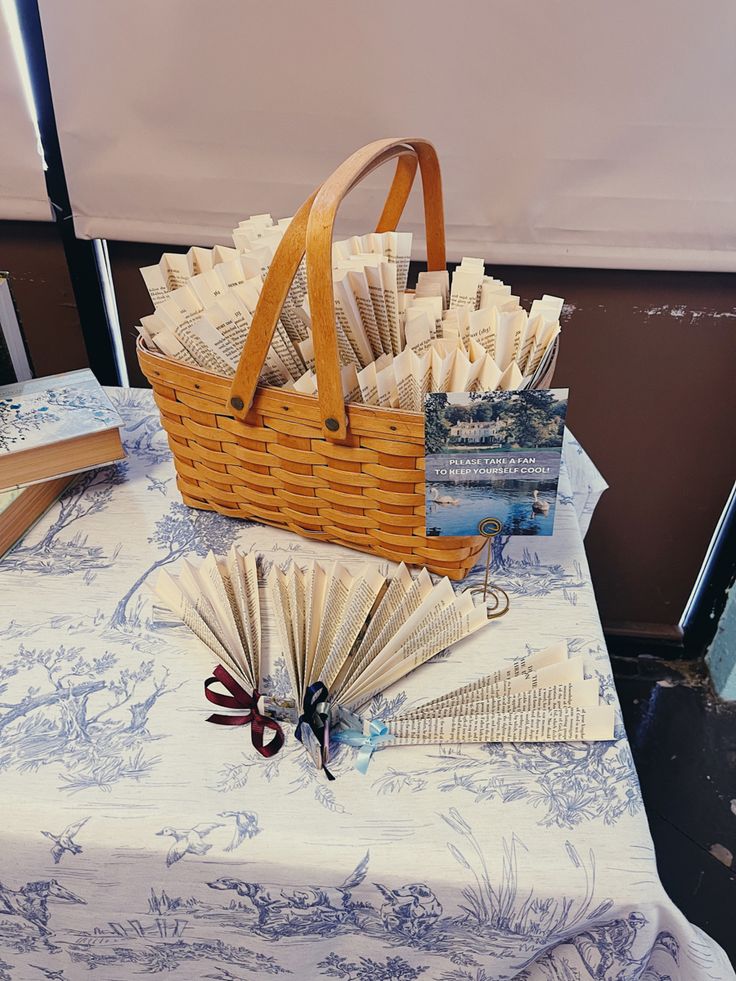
[(350, 474)]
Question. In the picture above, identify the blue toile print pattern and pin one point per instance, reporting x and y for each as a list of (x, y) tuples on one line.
[(145, 843)]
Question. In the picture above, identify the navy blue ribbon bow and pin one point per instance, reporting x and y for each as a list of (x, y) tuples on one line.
[(314, 723)]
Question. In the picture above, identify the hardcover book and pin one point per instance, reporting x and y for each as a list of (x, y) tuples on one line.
[(52, 427), (21, 507)]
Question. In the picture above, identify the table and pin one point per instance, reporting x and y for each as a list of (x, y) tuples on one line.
[(139, 841)]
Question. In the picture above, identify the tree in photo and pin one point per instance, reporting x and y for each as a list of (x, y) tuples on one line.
[(458, 413), (483, 411), (435, 426), (533, 420)]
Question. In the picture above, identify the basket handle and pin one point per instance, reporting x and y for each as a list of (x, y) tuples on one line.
[(311, 231), (280, 276)]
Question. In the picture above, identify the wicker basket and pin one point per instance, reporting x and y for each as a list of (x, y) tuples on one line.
[(349, 474)]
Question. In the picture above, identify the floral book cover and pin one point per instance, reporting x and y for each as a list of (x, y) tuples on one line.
[(493, 458), (44, 411)]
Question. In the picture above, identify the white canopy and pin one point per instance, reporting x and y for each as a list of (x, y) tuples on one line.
[(575, 132)]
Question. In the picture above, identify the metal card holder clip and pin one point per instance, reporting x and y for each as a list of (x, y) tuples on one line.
[(489, 528)]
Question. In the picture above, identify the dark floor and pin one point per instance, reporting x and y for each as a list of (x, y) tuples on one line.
[(684, 743)]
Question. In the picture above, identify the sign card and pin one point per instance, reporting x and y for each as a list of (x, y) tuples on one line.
[(493, 455)]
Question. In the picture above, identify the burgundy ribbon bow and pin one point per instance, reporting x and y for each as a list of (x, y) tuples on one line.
[(240, 699)]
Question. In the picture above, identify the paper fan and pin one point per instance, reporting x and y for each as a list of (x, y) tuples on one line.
[(347, 634), (219, 602)]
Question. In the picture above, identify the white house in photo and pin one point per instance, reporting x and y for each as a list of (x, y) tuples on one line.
[(475, 432)]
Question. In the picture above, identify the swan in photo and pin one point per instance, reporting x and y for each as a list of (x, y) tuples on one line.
[(445, 499), (538, 505)]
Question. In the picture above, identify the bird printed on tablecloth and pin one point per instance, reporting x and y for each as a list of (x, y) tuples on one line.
[(64, 841), (246, 826), (50, 973), (189, 841), (607, 950), (157, 484), (224, 975)]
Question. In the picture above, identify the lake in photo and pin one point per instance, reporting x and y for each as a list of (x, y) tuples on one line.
[(471, 497), (510, 501)]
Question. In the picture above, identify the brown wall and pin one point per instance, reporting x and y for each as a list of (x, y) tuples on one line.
[(649, 358), (33, 255)]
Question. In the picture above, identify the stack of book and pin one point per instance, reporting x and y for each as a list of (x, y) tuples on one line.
[(50, 430)]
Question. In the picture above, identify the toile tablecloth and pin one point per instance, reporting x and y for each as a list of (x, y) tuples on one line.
[(139, 841)]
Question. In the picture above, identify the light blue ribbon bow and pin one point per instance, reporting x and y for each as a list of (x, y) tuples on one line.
[(378, 735)]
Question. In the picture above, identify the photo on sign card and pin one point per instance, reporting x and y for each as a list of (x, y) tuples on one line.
[(493, 455)]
